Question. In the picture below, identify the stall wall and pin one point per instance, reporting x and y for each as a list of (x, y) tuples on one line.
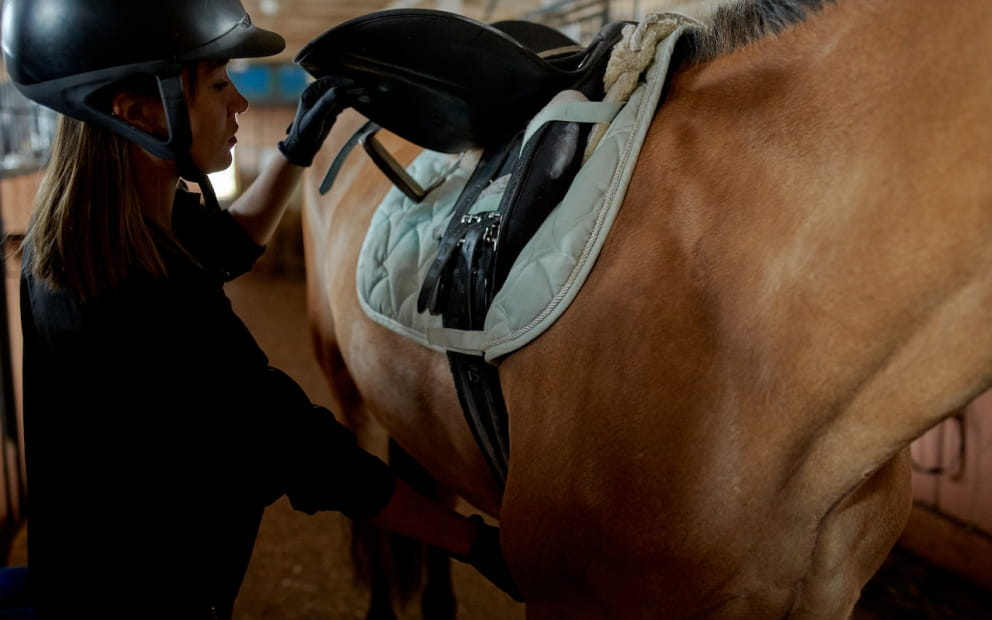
[(952, 484)]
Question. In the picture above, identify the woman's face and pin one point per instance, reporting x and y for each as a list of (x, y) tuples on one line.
[(213, 116)]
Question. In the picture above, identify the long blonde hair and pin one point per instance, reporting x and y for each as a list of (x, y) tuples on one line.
[(87, 232)]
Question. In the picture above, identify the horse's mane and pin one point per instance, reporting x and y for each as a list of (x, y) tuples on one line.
[(740, 23)]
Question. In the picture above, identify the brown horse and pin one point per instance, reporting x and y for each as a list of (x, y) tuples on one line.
[(797, 286)]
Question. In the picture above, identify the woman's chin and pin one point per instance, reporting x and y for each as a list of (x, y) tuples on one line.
[(218, 165)]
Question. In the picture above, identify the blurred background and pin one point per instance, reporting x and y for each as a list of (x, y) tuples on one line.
[(942, 567)]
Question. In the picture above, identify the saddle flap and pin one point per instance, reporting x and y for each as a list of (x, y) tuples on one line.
[(437, 79)]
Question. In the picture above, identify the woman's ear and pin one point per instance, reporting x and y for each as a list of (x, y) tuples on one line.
[(144, 113)]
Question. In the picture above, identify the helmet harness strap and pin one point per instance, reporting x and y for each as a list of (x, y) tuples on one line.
[(181, 136)]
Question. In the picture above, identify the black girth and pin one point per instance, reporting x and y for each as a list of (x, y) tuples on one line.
[(476, 254)]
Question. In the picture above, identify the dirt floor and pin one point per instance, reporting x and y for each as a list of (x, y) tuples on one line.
[(300, 569), (907, 588)]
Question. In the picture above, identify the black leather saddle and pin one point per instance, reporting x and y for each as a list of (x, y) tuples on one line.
[(449, 83)]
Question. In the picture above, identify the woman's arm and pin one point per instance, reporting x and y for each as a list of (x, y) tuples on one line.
[(468, 539), (414, 515), (262, 205)]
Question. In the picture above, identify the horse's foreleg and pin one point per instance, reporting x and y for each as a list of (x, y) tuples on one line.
[(369, 553), (370, 546), (415, 564), (391, 564), (438, 601)]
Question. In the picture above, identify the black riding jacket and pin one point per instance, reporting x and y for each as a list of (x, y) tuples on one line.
[(156, 432)]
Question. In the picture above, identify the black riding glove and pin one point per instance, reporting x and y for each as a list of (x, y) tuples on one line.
[(318, 108), (485, 556)]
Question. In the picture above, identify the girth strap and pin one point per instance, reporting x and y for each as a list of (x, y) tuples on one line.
[(476, 381), (480, 250), (481, 399), (460, 287)]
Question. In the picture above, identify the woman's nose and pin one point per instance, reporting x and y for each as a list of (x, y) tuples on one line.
[(240, 104)]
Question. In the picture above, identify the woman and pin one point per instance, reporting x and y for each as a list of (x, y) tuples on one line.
[(156, 432)]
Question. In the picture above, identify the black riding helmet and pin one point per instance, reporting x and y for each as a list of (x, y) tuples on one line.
[(62, 53)]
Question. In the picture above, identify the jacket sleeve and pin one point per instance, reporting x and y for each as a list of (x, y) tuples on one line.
[(324, 468), (247, 431)]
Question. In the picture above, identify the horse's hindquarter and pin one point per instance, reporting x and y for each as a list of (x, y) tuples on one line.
[(796, 287)]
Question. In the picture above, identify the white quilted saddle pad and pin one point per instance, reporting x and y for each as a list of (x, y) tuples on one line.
[(403, 236)]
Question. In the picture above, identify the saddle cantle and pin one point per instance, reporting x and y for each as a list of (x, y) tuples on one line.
[(449, 83)]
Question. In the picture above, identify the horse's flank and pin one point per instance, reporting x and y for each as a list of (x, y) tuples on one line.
[(804, 253)]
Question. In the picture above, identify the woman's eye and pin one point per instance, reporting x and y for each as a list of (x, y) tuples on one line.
[(221, 85)]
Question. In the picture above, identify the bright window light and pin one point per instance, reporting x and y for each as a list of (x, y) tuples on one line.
[(225, 182)]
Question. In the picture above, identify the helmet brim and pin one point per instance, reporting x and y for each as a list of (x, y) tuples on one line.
[(239, 42)]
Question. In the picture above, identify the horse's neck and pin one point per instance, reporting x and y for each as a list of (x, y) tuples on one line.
[(827, 188), (834, 134), (849, 53)]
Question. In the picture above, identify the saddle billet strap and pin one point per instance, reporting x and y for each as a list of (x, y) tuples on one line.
[(489, 167), (384, 160), (568, 50), (470, 284), (540, 178)]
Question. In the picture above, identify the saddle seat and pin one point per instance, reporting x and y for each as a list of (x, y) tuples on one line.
[(449, 83)]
